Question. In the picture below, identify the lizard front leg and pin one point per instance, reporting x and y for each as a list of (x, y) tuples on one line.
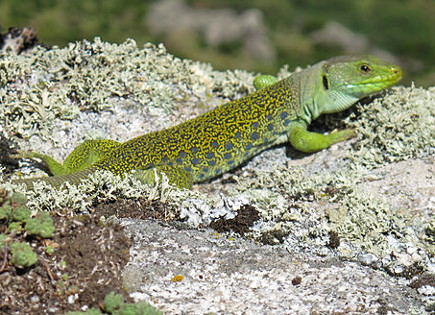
[(303, 140), (264, 80)]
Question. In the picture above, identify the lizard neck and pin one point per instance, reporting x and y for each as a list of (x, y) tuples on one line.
[(317, 97)]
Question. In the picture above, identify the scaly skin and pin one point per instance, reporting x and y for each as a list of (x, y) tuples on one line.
[(222, 139)]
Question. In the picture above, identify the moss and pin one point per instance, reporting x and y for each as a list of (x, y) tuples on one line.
[(22, 255), (18, 199), (91, 311), (138, 308), (6, 212), (22, 214), (112, 302), (14, 208), (41, 225), (15, 226), (3, 239), (16, 215), (316, 203)]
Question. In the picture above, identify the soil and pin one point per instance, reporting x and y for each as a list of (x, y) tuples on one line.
[(85, 267)]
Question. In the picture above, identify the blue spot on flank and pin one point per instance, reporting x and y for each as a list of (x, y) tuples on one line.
[(212, 163), (270, 127), (286, 122), (182, 154), (178, 160), (255, 125), (218, 171), (165, 159), (195, 149), (230, 162), (201, 175), (254, 136), (227, 156), (170, 163), (269, 117), (214, 144), (195, 161), (238, 134), (283, 115), (249, 146), (209, 155), (229, 146), (205, 170), (188, 168), (266, 140)]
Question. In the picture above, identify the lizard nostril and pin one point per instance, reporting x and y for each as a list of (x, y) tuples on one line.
[(396, 70)]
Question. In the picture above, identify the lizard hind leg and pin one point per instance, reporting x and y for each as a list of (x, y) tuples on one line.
[(89, 152), (176, 176)]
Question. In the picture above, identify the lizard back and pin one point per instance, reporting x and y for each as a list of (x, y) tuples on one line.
[(216, 141)]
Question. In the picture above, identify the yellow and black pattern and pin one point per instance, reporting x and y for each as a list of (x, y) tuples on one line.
[(215, 142)]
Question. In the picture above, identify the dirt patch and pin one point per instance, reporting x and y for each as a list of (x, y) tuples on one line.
[(241, 223), (85, 266)]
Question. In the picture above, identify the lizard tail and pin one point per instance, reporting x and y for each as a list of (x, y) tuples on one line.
[(57, 181)]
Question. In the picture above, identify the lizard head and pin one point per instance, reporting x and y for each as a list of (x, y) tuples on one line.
[(342, 81), (359, 76)]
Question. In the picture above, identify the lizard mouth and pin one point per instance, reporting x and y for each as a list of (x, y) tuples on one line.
[(376, 83)]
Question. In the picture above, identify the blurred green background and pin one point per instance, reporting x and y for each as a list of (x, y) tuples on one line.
[(256, 35)]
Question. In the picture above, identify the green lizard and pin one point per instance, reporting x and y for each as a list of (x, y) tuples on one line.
[(222, 139)]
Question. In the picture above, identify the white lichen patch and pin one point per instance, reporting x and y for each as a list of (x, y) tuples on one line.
[(399, 126)]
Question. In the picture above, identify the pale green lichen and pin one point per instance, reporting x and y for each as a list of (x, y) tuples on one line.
[(44, 85), (397, 127), (306, 206)]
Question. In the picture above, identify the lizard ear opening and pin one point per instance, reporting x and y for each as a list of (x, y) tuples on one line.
[(325, 82)]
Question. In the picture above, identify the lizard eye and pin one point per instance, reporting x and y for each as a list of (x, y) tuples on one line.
[(365, 68)]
